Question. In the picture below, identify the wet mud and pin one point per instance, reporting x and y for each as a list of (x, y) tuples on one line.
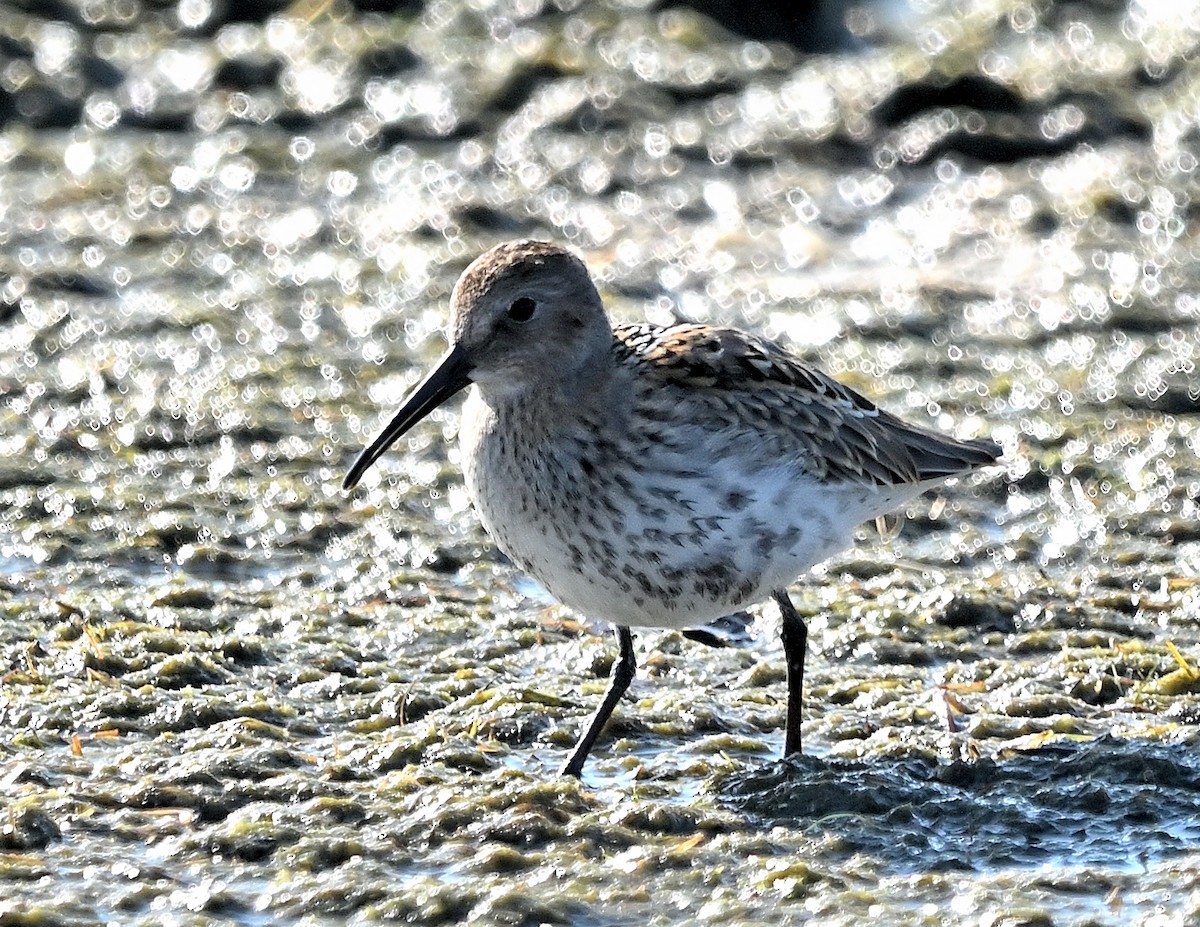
[(230, 694)]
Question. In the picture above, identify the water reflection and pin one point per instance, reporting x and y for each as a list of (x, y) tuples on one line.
[(226, 249)]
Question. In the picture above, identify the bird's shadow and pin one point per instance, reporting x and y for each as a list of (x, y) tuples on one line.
[(1113, 803)]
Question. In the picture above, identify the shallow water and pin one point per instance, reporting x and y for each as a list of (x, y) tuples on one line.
[(232, 694)]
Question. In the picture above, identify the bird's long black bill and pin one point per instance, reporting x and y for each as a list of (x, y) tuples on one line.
[(452, 373)]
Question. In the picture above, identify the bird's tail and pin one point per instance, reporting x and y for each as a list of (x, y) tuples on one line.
[(939, 456)]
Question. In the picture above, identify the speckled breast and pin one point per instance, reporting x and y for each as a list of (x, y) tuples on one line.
[(643, 531)]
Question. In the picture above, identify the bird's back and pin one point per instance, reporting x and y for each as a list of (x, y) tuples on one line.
[(837, 435)]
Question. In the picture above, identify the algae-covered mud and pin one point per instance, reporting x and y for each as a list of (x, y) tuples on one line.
[(230, 694)]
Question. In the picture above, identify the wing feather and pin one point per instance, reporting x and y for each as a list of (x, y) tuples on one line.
[(841, 435)]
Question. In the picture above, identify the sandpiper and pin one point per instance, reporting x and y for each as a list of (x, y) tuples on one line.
[(658, 477)]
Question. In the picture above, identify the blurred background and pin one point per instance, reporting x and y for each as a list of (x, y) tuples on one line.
[(228, 232)]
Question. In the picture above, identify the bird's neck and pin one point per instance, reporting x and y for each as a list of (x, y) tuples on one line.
[(549, 399)]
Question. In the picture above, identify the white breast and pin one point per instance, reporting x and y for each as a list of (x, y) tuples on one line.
[(652, 535)]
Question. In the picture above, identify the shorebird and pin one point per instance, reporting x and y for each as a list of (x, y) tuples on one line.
[(658, 476)]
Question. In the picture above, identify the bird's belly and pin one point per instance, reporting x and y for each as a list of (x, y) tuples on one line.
[(662, 549)]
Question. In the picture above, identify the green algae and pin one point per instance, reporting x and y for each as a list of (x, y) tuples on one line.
[(231, 694)]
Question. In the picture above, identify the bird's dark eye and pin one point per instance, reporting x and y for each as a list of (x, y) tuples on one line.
[(522, 309)]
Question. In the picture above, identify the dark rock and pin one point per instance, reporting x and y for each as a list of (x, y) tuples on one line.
[(100, 73), (809, 25), (11, 48), (970, 90), (296, 120), (964, 611), (163, 119), (388, 60), (387, 6), (492, 220), (60, 10), (28, 828), (1117, 210), (40, 107), (1100, 689), (77, 284), (248, 72), (730, 631), (995, 148), (1175, 399), (522, 84)]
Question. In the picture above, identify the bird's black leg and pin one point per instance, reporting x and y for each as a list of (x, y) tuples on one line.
[(622, 675), (795, 645)]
